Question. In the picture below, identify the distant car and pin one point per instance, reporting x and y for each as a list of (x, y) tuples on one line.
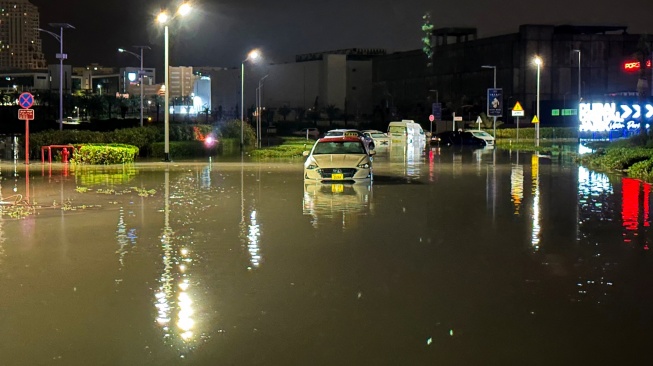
[(489, 139), (380, 138), (337, 159), (369, 142), (458, 138), (313, 133)]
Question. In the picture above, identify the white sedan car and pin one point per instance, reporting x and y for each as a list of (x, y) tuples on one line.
[(338, 159), (380, 138)]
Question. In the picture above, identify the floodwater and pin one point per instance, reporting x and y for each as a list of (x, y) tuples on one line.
[(450, 257)]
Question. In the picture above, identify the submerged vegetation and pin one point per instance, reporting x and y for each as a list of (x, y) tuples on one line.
[(633, 157)]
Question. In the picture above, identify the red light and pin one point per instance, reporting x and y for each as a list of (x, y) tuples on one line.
[(635, 65)]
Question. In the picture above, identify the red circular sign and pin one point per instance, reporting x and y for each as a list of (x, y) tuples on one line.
[(25, 100), (431, 118)]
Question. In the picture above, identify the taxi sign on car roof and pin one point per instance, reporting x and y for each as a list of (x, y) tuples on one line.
[(351, 134)]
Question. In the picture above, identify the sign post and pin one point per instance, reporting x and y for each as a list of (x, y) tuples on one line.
[(494, 106), (26, 100), (431, 118), (537, 125), (517, 111)]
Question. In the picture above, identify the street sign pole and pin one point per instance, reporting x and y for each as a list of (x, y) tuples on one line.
[(25, 101), (517, 129)]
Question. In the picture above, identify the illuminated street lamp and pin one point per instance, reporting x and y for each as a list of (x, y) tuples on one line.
[(538, 62), (579, 95), (163, 18), (61, 56), (494, 123), (251, 56), (140, 72)]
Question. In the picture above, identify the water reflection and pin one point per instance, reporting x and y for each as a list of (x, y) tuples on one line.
[(125, 237), (535, 173), (173, 299), (337, 201), (635, 211), (517, 186), (410, 156)]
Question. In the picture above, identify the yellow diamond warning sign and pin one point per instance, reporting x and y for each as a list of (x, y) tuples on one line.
[(517, 110)]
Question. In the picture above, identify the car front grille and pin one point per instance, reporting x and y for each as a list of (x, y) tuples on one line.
[(346, 172)]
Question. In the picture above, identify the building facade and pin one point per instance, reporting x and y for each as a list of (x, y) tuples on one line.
[(341, 79), (20, 45), (404, 86)]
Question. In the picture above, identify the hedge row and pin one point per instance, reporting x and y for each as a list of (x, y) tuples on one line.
[(104, 154)]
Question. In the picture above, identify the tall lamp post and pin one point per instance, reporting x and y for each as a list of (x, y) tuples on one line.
[(141, 72), (163, 18), (61, 56), (494, 118), (252, 55), (538, 63), (579, 95)]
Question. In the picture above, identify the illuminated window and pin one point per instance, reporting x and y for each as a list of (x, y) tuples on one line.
[(555, 112), (569, 112)]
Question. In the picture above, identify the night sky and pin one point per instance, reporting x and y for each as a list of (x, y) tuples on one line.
[(221, 32)]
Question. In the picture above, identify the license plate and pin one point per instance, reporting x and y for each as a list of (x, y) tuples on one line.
[(337, 176), (337, 188)]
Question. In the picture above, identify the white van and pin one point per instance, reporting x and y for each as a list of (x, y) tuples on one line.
[(406, 132)]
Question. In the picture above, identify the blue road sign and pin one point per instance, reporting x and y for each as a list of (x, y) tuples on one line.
[(495, 102), (436, 111), (26, 100)]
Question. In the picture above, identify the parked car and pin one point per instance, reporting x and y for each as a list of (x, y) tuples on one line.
[(310, 132), (337, 159), (380, 138), (369, 142), (489, 139), (458, 138)]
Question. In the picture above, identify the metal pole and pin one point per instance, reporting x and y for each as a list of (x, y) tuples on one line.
[(141, 81), (537, 125), (242, 101), (494, 118), (579, 95), (166, 113), (61, 80)]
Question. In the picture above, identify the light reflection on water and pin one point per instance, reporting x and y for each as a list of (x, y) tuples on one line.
[(443, 260)]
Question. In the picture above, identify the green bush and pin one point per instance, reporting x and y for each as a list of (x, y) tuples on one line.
[(642, 170), (545, 133), (183, 149), (104, 154), (232, 130), (620, 158)]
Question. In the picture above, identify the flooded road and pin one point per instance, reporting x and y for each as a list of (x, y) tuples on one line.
[(453, 257)]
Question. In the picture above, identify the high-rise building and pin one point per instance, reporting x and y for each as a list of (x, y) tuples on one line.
[(20, 45)]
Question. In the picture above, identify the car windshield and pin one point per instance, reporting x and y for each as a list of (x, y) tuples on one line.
[(334, 133), (339, 147), (378, 135), (481, 134), (397, 129)]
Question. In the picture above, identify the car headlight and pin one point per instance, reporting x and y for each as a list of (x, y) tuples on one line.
[(312, 165), (364, 165)]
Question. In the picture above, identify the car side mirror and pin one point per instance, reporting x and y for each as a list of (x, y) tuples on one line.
[(305, 153)]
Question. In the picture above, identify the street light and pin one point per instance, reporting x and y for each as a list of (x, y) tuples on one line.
[(140, 73), (494, 118), (579, 95), (252, 55), (163, 18), (61, 56), (538, 62)]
